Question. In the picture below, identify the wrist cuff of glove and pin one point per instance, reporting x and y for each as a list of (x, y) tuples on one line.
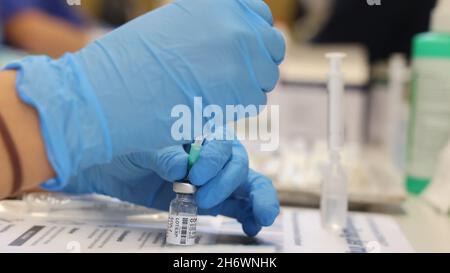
[(71, 121)]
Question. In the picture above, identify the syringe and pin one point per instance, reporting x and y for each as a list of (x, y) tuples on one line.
[(333, 203)]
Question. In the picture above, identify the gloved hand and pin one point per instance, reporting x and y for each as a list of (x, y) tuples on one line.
[(225, 184), (116, 95)]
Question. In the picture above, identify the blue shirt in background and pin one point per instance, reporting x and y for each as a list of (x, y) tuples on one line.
[(57, 8)]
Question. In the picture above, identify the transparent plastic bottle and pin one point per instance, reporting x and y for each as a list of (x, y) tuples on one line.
[(429, 123), (182, 224)]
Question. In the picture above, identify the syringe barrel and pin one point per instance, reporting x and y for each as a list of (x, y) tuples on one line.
[(335, 102)]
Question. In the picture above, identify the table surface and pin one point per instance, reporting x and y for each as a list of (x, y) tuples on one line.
[(426, 229)]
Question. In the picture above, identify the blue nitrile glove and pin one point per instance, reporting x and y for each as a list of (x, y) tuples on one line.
[(225, 184), (116, 95)]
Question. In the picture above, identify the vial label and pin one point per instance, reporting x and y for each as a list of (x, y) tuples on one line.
[(181, 230)]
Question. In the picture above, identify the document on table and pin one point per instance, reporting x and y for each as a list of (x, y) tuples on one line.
[(295, 230)]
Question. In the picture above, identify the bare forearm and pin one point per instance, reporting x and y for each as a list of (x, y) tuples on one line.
[(23, 126)]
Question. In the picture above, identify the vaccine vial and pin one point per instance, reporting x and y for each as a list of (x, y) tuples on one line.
[(182, 223)]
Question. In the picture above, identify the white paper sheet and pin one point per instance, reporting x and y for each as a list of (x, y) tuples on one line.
[(295, 230)]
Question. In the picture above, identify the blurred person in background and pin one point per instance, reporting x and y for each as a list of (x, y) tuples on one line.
[(50, 27), (53, 27)]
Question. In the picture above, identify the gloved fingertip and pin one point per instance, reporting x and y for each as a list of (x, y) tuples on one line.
[(197, 176), (251, 228), (268, 217), (271, 80), (266, 206), (171, 163), (280, 52), (214, 155), (204, 201), (177, 171)]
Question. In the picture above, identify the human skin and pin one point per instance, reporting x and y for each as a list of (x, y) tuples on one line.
[(23, 126)]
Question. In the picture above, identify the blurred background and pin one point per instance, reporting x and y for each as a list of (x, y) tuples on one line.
[(382, 29), (396, 128)]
